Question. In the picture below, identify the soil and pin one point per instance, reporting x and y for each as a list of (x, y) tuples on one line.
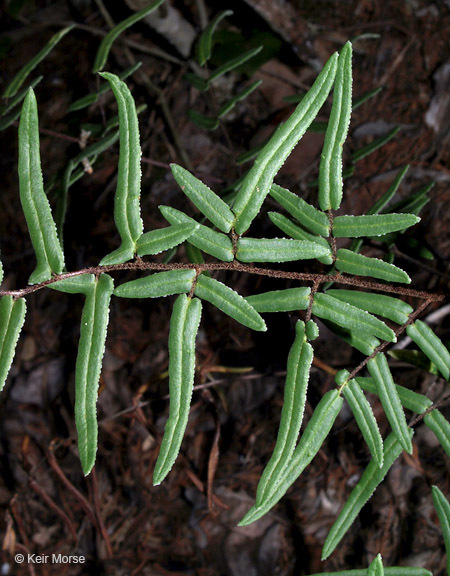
[(115, 519)]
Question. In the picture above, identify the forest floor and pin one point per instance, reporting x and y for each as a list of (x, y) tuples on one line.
[(115, 518)]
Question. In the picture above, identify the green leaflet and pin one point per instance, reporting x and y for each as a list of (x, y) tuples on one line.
[(312, 330), (376, 567), (81, 284), (379, 370), (184, 325), (157, 285), (430, 345), (375, 145), (372, 225), (204, 122), (20, 95), (330, 171), (233, 64), (94, 322), (310, 443), (34, 202), (352, 263), (440, 426), (163, 239), (294, 231), (127, 212), (287, 300), (366, 96), (386, 306), (350, 317), (256, 184), (373, 476), (442, 507), (411, 400), (365, 343), (213, 207), (277, 250), (242, 95), (23, 73), (204, 43), (12, 317), (308, 216), (105, 46), (210, 241), (297, 377), (229, 301), (362, 411), (388, 571)]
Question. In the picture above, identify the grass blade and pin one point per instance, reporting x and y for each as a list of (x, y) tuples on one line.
[(184, 325), (34, 202), (257, 183), (105, 46), (430, 345), (12, 317)]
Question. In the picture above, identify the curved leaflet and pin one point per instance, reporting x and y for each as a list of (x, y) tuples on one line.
[(350, 317), (362, 411), (310, 443), (163, 239), (256, 184), (409, 399), (184, 325), (330, 170), (229, 301), (210, 241), (379, 370), (203, 47), (373, 476), (352, 263), (442, 506), (277, 250), (286, 300), (213, 207), (34, 202), (157, 285), (12, 317), (440, 426), (105, 46), (127, 213), (297, 377), (430, 345)]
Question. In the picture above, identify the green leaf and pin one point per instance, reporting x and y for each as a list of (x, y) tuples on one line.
[(348, 261), (12, 317), (204, 43), (199, 83), (228, 106), (387, 392), (442, 507), (94, 322), (127, 213), (158, 285), (105, 46), (386, 306), (202, 121), (371, 478), (310, 443), (210, 241), (234, 63), (357, 102), (277, 250), (23, 73), (415, 358), (297, 377), (372, 225), (376, 567), (330, 171), (309, 217), (213, 207), (257, 183), (388, 571), (392, 190), (362, 411), (440, 426), (297, 233), (81, 284), (34, 202), (365, 343), (409, 399), (375, 145), (430, 345), (287, 300), (229, 301), (158, 241), (312, 330), (350, 317), (184, 325), (20, 95)]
